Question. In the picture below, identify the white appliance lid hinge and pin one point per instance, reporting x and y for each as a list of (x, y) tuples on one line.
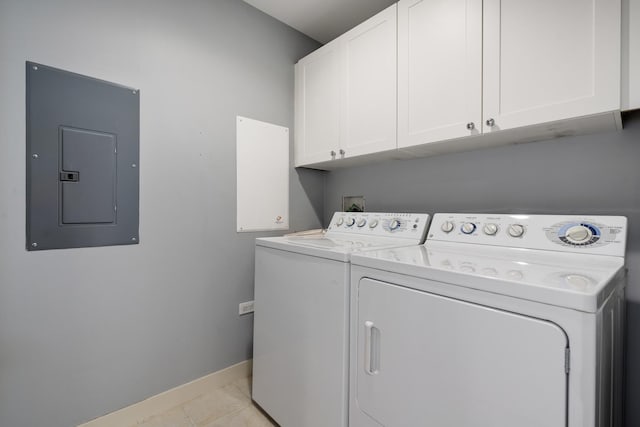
[(567, 360)]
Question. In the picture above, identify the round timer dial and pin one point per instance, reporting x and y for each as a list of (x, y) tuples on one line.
[(468, 228), (579, 234)]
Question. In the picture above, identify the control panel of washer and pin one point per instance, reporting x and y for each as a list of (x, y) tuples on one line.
[(399, 225), (571, 233)]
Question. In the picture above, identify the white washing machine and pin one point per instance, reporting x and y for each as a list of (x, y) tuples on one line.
[(496, 321), (301, 323)]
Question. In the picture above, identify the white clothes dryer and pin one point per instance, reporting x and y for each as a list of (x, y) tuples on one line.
[(301, 323), (497, 320)]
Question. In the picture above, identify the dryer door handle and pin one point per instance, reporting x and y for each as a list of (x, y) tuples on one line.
[(371, 348)]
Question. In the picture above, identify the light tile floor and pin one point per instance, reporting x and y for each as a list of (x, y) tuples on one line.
[(227, 406)]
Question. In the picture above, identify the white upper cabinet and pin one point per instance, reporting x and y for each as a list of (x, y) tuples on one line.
[(433, 76), (346, 94), (318, 92), (549, 60), (369, 102), (630, 54), (473, 67), (439, 70)]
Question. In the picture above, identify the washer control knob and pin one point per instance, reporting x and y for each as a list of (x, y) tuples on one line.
[(490, 229), (447, 226), (579, 234), (373, 223), (468, 228), (361, 222), (340, 221), (515, 230), (350, 222), (394, 224)]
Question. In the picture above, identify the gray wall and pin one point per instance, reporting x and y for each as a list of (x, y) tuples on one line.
[(86, 331), (596, 174)]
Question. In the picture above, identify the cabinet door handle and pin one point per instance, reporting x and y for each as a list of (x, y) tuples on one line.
[(341, 152), (491, 122), (371, 348), (471, 126)]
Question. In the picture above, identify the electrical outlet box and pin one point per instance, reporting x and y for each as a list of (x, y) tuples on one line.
[(245, 308)]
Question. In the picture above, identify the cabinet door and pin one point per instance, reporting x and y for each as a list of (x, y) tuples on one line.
[(550, 60), (630, 55), (427, 360), (369, 97), (317, 111), (439, 70)]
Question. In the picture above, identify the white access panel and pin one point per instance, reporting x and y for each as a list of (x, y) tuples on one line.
[(262, 167), (439, 70), (549, 60), (428, 360)]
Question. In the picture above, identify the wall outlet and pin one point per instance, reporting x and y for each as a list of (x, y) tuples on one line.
[(245, 308)]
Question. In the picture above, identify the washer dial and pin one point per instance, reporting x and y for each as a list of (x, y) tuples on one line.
[(515, 230), (468, 228), (394, 224), (373, 223), (447, 226), (340, 221), (361, 222), (350, 222), (490, 229)]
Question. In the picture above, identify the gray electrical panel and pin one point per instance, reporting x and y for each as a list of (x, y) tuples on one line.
[(82, 161)]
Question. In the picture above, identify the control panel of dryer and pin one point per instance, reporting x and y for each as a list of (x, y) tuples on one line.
[(398, 225), (605, 235)]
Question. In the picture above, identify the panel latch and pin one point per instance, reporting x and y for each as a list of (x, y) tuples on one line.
[(70, 176)]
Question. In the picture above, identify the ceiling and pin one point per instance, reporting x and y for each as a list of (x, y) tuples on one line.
[(322, 20)]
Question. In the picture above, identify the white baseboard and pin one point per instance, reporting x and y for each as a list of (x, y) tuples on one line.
[(171, 398)]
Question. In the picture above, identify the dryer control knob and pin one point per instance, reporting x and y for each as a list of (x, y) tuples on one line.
[(350, 222), (468, 228), (515, 230), (394, 224), (490, 229), (373, 224), (447, 226), (579, 234), (361, 222)]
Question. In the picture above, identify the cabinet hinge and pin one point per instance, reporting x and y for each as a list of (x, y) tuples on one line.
[(567, 360)]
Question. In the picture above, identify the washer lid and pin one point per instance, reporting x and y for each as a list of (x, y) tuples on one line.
[(336, 247), (581, 282)]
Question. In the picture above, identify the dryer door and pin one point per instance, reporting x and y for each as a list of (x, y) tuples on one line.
[(427, 360)]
